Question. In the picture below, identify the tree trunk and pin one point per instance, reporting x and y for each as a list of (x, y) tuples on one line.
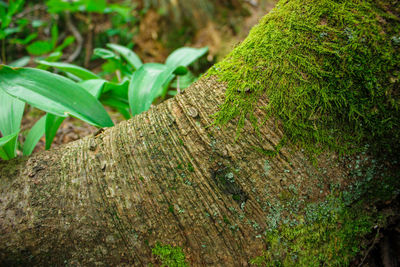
[(164, 176)]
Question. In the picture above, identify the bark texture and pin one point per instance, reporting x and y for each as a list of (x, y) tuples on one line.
[(162, 176)]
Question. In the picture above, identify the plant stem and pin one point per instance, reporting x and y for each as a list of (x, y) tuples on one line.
[(177, 81), (3, 51)]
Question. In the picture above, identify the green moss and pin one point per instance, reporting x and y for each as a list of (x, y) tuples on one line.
[(331, 232), (170, 256), (330, 237), (171, 208), (330, 71), (190, 167)]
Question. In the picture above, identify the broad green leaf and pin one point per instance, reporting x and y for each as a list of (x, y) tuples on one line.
[(58, 6), (39, 48), (53, 122), (121, 105), (96, 5), (97, 87), (114, 102), (127, 54), (22, 62), (184, 56), (145, 85), (118, 89), (11, 111), (53, 57), (79, 72), (184, 81), (105, 53), (34, 136), (94, 87), (8, 146), (54, 94), (178, 60), (67, 41), (116, 95)]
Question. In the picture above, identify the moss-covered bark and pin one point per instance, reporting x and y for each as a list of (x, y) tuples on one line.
[(167, 176), (329, 68)]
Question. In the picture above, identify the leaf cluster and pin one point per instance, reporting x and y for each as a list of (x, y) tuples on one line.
[(83, 93)]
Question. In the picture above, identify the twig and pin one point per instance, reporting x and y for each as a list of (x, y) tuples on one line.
[(89, 41), (78, 37), (370, 248), (3, 51), (29, 10)]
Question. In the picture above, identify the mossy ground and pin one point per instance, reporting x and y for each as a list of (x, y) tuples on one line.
[(330, 71)]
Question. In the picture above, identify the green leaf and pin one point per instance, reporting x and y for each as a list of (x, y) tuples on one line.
[(58, 6), (105, 53), (34, 136), (116, 95), (8, 146), (180, 71), (54, 94), (67, 41), (184, 56), (120, 105), (11, 111), (184, 81), (53, 57), (127, 54), (145, 86), (96, 5), (36, 23), (178, 60), (54, 35), (118, 89), (22, 62), (39, 48), (94, 87), (26, 40), (79, 72), (13, 7), (124, 11), (114, 102), (53, 122)]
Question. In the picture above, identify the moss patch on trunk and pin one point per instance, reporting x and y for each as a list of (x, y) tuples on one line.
[(330, 70), (334, 231)]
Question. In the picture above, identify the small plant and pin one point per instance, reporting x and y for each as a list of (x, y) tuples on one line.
[(83, 93), (39, 48), (170, 256), (137, 85), (7, 11), (36, 87)]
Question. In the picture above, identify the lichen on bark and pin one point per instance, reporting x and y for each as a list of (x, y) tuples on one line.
[(330, 71)]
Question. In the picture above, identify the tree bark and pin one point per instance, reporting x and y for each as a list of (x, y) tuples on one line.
[(162, 176), (167, 176)]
